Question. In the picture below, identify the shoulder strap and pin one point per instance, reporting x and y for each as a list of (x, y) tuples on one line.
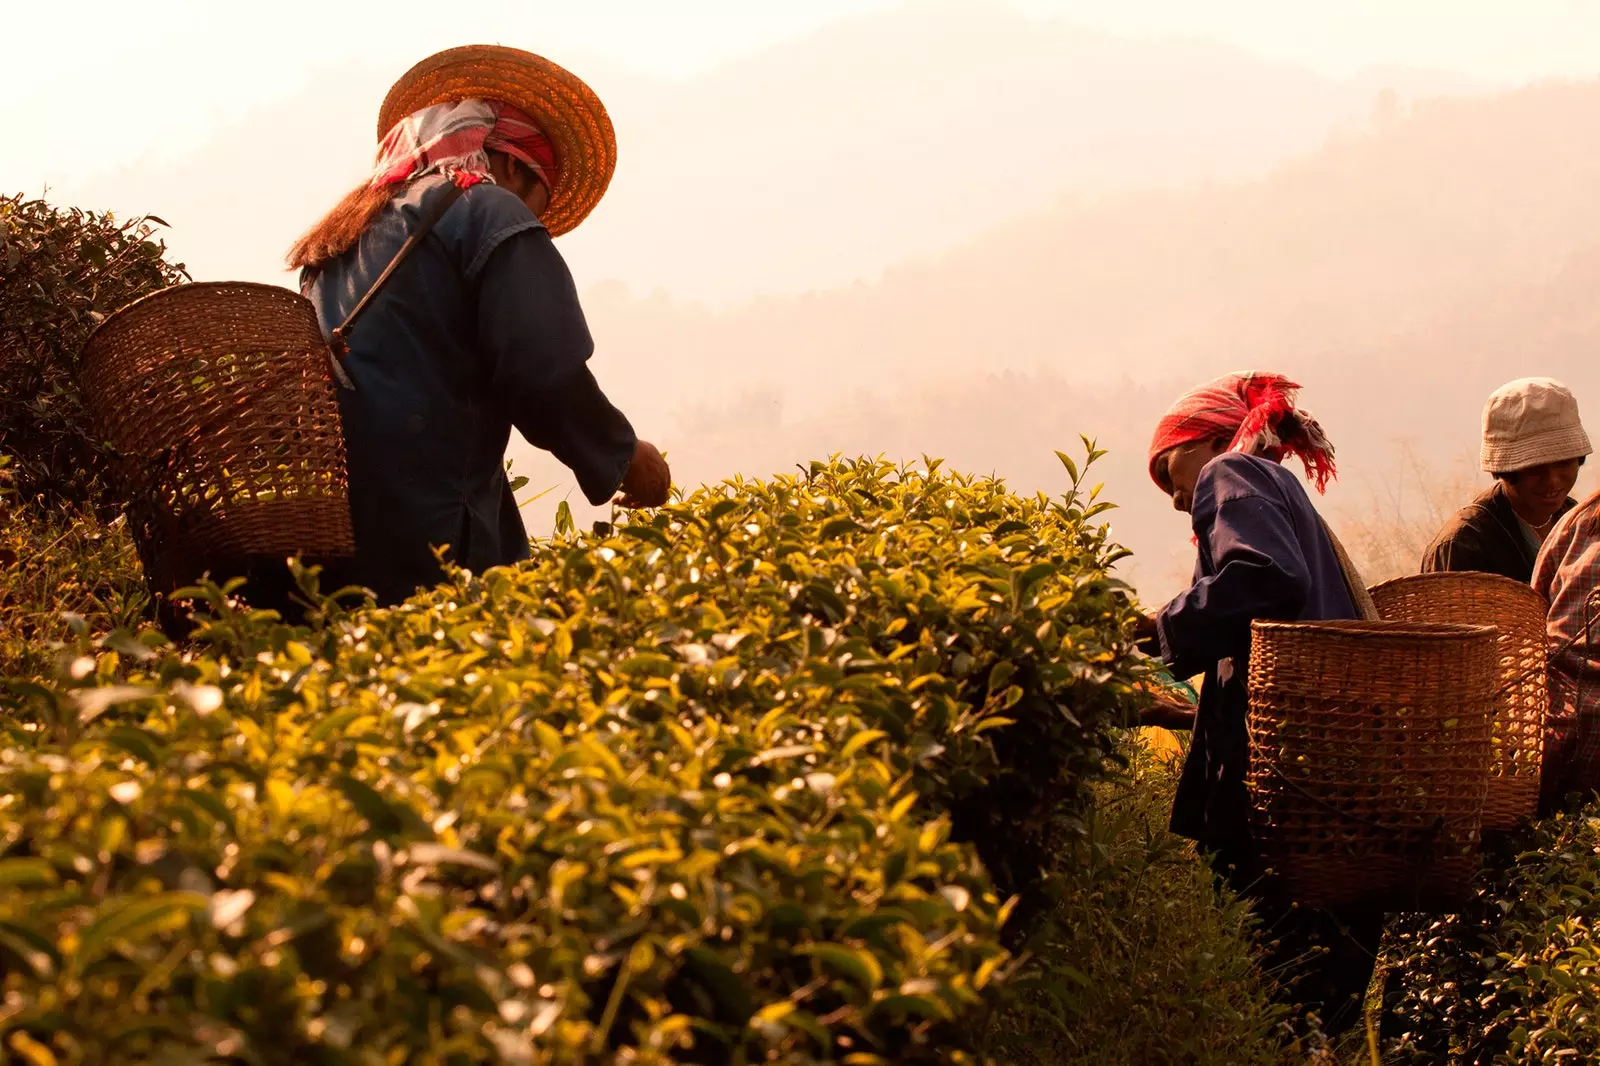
[(339, 342), (1354, 583)]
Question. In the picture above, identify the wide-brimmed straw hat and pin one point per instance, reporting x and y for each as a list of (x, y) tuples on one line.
[(1530, 422), (566, 111)]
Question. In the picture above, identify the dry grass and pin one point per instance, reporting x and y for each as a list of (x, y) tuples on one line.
[(1387, 535)]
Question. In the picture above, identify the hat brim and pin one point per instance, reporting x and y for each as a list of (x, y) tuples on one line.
[(566, 111), (1556, 446)]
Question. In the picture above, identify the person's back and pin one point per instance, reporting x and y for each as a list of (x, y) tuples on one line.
[(481, 328), (1255, 515)]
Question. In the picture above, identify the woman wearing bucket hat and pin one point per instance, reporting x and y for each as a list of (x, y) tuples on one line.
[(469, 319), (1263, 553), (1533, 444)]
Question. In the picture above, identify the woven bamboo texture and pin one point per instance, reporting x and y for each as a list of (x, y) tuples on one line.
[(1369, 759), (219, 401), (1520, 614), (566, 110)]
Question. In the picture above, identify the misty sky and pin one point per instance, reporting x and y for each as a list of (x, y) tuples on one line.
[(88, 83)]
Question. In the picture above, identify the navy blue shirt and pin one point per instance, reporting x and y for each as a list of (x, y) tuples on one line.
[(1263, 553), (478, 331)]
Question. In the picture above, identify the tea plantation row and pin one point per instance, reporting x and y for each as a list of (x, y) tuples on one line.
[(1516, 977), (775, 774)]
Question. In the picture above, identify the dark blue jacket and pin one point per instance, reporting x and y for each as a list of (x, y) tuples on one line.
[(478, 331), (1263, 553)]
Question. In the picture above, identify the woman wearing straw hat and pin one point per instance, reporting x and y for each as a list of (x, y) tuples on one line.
[(1263, 552), (1533, 444), (469, 322)]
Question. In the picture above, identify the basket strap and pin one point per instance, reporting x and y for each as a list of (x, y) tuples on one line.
[(339, 342), (1353, 582)]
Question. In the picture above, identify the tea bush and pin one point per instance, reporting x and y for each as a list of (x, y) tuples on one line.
[(1149, 964), (752, 779), (997, 609), (1516, 978), (63, 270), (56, 561)]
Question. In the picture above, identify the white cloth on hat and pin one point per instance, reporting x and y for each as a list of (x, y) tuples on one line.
[(1530, 422)]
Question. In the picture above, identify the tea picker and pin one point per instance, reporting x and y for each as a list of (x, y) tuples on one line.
[(480, 331), (1263, 553), (364, 423)]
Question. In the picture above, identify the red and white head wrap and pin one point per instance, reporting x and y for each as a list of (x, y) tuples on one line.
[(455, 139), (1255, 413)]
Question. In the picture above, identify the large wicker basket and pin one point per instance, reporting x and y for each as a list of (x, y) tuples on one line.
[(1519, 613), (219, 402), (1369, 759)]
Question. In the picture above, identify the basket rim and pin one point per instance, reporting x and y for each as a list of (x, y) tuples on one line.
[(1378, 629), (1498, 582), (182, 291)]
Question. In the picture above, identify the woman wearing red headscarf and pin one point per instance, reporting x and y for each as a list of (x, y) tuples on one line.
[(486, 153), (1263, 552)]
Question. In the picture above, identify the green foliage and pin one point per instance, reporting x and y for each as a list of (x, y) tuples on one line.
[(1148, 965), (1516, 978), (688, 790), (62, 271), (54, 562)]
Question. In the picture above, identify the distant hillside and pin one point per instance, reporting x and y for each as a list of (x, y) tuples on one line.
[(873, 141), (887, 137), (1399, 275)]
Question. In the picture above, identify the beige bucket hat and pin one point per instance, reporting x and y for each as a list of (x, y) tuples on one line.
[(1530, 422)]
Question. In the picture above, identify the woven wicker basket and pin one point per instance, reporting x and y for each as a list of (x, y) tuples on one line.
[(219, 400), (1369, 759), (1523, 694)]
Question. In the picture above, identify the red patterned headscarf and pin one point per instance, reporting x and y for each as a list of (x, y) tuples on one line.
[(455, 138), (1255, 413)]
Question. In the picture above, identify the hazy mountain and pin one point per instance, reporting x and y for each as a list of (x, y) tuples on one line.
[(886, 137), (1400, 275), (812, 163)]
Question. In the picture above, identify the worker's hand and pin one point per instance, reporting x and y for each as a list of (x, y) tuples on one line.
[(1147, 635), (1168, 714), (648, 482)]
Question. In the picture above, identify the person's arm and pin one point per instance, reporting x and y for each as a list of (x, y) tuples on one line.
[(1168, 714), (1261, 573), (536, 345), (1548, 563)]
